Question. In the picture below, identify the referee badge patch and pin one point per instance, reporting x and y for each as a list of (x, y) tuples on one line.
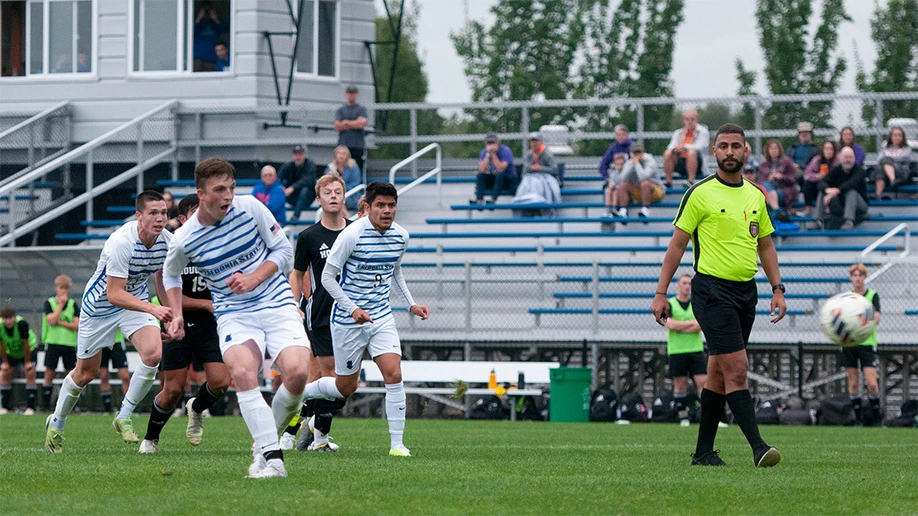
[(754, 229)]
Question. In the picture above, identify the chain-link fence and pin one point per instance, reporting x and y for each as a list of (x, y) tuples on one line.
[(34, 141)]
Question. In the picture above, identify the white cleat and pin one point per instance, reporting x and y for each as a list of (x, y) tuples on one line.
[(684, 423), (195, 429), (287, 441), (148, 446), (258, 462), (323, 447), (273, 468), (29, 412), (400, 451)]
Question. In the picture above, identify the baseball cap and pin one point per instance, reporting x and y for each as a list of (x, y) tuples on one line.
[(535, 136), (298, 148), (491, 138), (351, 89), (804, 127), (637, 147)]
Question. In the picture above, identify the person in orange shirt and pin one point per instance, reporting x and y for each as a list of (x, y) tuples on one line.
[(686, 150)]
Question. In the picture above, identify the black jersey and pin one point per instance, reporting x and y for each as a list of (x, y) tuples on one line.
[(312, 248), (193, 286)]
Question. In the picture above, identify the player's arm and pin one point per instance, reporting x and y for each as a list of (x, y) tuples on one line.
[(674, 253), (402, 288), (876, 307), (691, 326), (769, 257), (301, 260), (54, 316), (280, 252), (340, 252), (73, 325), (4, 359), (193, 303), (119, 297), (172, 283)]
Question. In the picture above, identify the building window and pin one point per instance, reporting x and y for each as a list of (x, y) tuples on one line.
[(52, 36), (317, 53), (181, 35)]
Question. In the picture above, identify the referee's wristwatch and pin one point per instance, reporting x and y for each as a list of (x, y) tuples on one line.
[(779, 286)]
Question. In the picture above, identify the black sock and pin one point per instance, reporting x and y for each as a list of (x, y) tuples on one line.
[(306, 412), (712, 408), (681, 409), (6, 397), (46, 391), (31, 397), (186, 396), (857, 404), (875, 410), (325, 411), (205, 399), (743, 410), (158, 419), (274, 454), (107, 401)]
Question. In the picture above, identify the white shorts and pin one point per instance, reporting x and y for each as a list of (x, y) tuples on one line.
[(272, 329), (350, 341), (98, 333)]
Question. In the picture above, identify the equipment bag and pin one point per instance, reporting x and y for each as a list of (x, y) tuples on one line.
[(767, 413), (604, 405), (632, 408), (835, 411)]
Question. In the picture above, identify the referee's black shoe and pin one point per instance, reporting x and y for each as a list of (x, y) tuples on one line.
[(707, 459), (766, 457)]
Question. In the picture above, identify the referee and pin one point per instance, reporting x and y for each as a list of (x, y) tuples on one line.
[(727, 220)]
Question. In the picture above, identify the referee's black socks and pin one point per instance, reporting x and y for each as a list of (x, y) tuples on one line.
[(712, 409), (743, 410), (158, 419)]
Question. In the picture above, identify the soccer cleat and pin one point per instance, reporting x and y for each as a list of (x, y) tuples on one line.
[(54, 439), (258, 462), (3, 411), (273, 468), (399, 451), (707, 459), (325, 448), (287, 441), (125, 427), (195, 429), (304, 443), (766, 457), (721, 424), (29, 412), (148, 446), (684, 423)]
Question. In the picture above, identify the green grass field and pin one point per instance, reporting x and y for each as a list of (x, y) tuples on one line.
[(460, 467)]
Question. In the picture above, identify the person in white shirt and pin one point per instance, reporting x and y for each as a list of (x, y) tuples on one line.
[(640, 182), (687, 148)]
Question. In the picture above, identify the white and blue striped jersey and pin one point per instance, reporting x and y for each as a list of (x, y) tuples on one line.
[(367, 260), (246, 237), (123, 256)]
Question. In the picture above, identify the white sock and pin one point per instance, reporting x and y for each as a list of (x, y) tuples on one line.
[(284, 407), (324, 388), (66, 400), (395, 412), (318, 437), (141, 381), (258, 418)]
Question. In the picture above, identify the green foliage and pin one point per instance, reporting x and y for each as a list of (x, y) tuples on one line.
[(894, 30)]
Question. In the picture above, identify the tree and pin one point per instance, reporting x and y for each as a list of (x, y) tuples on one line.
[(894, 31)]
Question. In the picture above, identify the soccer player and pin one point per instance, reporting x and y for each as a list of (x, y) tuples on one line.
[(200, 344), (866, 353), (59, 333), (367, 255), (116, 298), (242, 255), (312, 248), (684, 346), (728, 221), (18, 346)]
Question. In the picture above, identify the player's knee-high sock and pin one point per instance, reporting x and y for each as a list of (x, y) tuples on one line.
[(323, 388), (205, 398), (46, 391), (395, 412), (324, 412), (875, 411), (712, 409), (259, 420), (159, 416), (681, 409), (31, 397), (66, 400), (6, 397), (856, 403), (284, 407), (141, 381), (743, 410)]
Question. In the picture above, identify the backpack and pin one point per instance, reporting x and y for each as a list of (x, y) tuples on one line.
[(908, 417), (835, 411), (795, 417), (604, 405), (632, 408), (488, 407), (663, 409), (767, 413)]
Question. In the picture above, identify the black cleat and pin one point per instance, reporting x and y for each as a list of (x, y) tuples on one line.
[(766, 457), (707, 459)]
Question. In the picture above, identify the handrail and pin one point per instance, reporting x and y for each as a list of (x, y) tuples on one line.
[(34, 118), (901, 228), (81, 150), (436, 171)]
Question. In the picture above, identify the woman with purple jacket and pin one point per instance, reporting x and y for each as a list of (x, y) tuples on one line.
[(778, 173)]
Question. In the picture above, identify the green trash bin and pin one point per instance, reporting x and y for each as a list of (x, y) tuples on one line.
[(570, 394)]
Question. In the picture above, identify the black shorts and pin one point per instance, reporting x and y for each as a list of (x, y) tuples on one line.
[(14, 362), (321, 341), (201, 344), (687, 364), (117, 356), (680, 165), (725, 310), (866, 355), (55, 352)]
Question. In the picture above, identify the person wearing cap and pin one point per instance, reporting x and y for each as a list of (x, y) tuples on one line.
[(495, 169), (640, 182), (351, 122), (539, 183), (803, 152), (298, 177), (686, 149)]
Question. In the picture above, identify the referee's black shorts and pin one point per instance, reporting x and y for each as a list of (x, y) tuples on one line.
[(320, 339), (201, 345), (725, 310)]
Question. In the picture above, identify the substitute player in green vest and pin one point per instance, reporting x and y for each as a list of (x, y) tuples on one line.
[(866, 353), (684, 347), (59, 327), (19, 347), (726, 218)]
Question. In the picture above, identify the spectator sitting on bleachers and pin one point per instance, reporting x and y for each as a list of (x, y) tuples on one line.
[(803, 152), (846, 139), (495, 170), (640, 182), (345, 166), (686, 150), (539, 183), (270, 192), (612, 183), (298, 177), (621, 145), (842, 192), (815, 171), (895, 160), (778, 174), (172, 222)]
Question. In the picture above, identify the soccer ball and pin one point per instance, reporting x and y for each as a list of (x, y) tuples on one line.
[(847, 319)]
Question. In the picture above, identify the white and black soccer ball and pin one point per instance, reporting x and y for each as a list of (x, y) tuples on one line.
[(848, 319)]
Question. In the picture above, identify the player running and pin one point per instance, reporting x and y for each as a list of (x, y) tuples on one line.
[(242, 254), (367, 255), (116, 298), (200, 343)]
